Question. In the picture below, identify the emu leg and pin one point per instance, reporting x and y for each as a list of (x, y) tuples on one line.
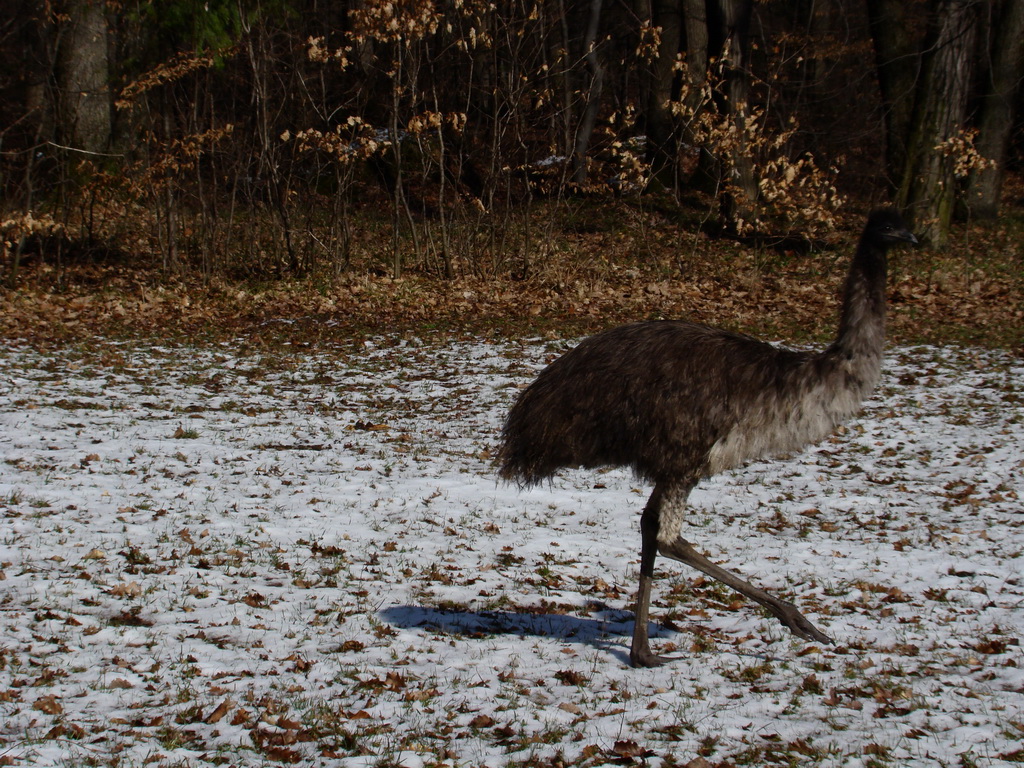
[(640, 650), (787, 613)]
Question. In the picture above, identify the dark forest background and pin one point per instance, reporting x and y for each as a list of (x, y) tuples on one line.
[(297, 137)]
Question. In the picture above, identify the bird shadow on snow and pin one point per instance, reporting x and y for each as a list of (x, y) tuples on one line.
[(603, 630)]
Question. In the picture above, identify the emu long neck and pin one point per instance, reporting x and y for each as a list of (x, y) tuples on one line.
[(862, 322)]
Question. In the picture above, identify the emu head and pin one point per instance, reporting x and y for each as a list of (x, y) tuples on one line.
[(885, 228)]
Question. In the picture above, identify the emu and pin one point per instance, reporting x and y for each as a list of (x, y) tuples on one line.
[(679, 402)]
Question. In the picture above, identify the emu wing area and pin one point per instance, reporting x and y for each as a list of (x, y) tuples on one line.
[(654, 396)]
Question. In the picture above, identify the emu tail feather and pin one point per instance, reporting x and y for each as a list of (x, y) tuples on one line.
[(517, 456), (534, 439)]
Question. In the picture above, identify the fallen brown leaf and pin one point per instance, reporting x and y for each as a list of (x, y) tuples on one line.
[(49, 705)]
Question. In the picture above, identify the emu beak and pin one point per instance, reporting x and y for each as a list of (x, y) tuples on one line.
[(908, 236)]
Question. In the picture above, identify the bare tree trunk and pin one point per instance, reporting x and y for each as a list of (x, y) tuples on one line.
[(170, 250), (561, 45), (662, 133), (996, 111), (269, 147), (707, 174), (738, 205), (898, 63), (928, 185), (589, 119), (39, 106), (696, 25), (83, 109)]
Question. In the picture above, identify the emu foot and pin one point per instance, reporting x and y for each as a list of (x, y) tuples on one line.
[(644, 658), (798, 624)]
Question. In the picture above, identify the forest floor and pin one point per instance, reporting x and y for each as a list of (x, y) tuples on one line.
[(598, 270)]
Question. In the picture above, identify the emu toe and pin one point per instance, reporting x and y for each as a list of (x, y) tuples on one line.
[(799, 625)]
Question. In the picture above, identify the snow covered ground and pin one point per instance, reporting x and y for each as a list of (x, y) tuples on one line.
[(209, 558)]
